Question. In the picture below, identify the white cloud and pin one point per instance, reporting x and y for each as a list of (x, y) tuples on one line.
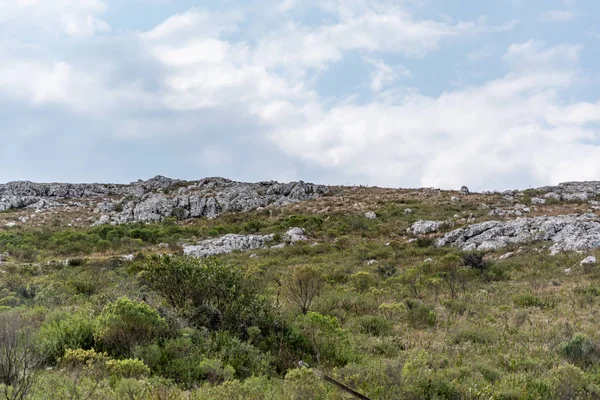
[(77, 18), (512, 129), (558, 15)]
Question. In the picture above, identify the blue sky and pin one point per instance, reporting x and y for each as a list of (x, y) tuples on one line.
[(405, 93)]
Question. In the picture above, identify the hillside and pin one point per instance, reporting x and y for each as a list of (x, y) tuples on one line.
[(215, 289)]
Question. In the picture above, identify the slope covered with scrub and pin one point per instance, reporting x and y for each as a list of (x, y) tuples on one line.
[(396, 293)]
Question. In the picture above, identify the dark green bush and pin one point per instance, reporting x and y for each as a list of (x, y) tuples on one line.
[(419, 314), (126, 323), (209, 294), (581, 351)]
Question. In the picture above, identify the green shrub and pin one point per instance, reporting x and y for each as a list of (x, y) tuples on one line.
[(419, 314), (475, 261), (330, 343), (128, 368), (490, 373), (126, 323), (581, 351), (568, 382), (209, 294), (424, 242), (530, 300), (476, 334), (374, 325), (62, 331)]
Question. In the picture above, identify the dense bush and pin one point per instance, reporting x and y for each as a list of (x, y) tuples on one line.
[(126, 323), (582, 351), (62, 331), (209, 294)]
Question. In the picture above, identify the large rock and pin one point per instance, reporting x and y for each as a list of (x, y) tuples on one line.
[(227, 244), (568, 232), (422, 227)]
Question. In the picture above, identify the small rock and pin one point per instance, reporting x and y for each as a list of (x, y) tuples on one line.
[(408, 211), (409, 241), (295, 235), (10, 224), (506, 256), (163, 245), (427, 260), (465, 190), (371, 262), (128, 257), (278, 246), (456, 216), (253, 255), (568, 271), (104, 219), (538, 201), (370, 215), (23, 219), (454, 199), (526, 209), (589, 260)]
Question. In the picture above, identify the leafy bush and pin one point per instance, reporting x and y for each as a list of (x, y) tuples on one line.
[(125, 323), (476, 334), (374, 325), (128, 368), (581, 351), (419, 314), (329, 341), (386, 270), (530, 300), (209, 293), (423, 242), (63, 331), (475, 261)]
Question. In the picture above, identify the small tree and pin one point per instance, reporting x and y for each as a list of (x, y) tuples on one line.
[(412, 278), (452, 271), (305, 284), (18, 357)]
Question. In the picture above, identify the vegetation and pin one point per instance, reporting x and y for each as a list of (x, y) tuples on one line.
[(389, 318)]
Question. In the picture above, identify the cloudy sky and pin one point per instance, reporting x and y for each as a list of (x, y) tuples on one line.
[(400, 93)]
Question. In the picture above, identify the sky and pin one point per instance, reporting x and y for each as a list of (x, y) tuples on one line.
[(498, 94)]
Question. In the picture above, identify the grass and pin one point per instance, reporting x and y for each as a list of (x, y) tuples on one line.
[(528, 332)]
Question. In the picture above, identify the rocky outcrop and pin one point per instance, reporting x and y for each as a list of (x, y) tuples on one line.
[(567, 232), (159, 197), (233, 242)]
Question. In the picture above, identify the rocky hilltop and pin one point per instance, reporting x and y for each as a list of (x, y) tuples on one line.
[(156, 199), (565, 216)]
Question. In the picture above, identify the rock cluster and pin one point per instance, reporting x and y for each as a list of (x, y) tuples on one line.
[(159, 197), (567, 232), (234, 242)]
